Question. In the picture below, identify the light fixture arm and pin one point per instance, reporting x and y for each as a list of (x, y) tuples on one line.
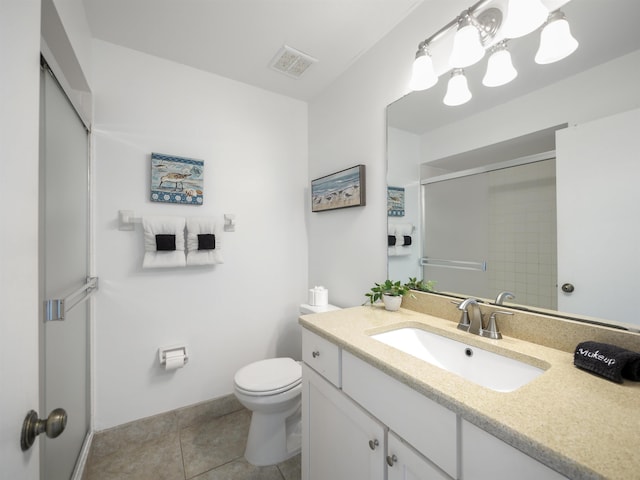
[(454, 23)]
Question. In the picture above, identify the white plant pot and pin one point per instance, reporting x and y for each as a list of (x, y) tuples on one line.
[(392, 303)]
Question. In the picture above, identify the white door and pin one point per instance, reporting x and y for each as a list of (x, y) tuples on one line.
[(19, 48), (598, 211)]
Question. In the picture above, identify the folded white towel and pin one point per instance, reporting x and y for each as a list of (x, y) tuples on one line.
[(398, 251), (403, 229), (198, 254), (172, 226)]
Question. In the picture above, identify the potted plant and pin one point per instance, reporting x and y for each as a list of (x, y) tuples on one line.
[(389, 292), (421, 285)]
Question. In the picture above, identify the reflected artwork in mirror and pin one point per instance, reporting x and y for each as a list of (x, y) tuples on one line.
[(577, 120)]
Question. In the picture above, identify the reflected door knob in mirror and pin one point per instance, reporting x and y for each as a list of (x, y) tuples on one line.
[(568, 288)]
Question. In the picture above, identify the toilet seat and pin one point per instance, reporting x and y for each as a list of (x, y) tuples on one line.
[(268, 377)]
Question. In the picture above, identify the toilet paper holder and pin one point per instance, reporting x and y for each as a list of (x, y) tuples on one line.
[(163, 352)]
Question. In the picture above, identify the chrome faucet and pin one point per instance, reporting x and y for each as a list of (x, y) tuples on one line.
[(504, 295), (471, 319)]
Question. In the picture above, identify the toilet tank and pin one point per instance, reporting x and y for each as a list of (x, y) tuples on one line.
[(305, 308)]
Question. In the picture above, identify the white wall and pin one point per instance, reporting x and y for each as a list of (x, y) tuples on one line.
[(254, 145), (347, 126), (19, 125)]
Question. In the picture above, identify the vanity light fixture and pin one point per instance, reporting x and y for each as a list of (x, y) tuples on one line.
[(556, 41), (500, 69), (481, 27), (423, 76), (457, 89), (523, 17), (467, 45)]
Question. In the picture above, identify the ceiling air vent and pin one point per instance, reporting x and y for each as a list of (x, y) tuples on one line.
[(291, 62)]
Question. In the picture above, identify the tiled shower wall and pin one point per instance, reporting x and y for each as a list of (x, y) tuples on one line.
[(522, 233)]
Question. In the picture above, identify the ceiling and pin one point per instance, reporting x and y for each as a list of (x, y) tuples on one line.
[(605, 30), (238, 39)]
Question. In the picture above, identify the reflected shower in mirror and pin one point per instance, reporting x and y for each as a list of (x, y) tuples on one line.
[(585, 112), (504, 217)]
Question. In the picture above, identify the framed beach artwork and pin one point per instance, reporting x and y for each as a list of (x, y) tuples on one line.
[(342, 189), (395, 201), (176, 179)]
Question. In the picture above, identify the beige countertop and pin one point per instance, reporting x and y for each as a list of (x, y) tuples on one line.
[(579, 424)]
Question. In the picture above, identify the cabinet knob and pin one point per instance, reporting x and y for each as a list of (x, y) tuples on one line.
[(373, 443), (315, 354), (391, 459)]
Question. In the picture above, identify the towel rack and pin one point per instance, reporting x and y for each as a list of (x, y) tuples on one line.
[(127, 220), (459, 264), (56, 308)]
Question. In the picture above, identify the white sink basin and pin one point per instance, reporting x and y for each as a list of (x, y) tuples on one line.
[(491, 370)]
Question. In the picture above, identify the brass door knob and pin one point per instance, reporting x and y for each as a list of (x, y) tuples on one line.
[(32, 426)]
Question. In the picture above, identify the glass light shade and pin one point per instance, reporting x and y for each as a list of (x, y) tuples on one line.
[(500, 70), (467, 47), (556, 42), (423, 75), (523, 17), (457, 89)]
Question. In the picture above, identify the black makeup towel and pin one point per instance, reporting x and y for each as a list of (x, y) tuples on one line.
[(608, 361)]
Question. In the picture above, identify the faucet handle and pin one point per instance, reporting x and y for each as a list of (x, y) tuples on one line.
[(464, 322), (492, 328)]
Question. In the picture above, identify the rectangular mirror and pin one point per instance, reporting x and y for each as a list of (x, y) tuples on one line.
[(585, 109)]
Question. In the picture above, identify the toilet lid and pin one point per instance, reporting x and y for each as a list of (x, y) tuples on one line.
[(267, 376)]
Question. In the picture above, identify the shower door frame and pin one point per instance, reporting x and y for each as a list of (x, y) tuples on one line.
[(57, 75)]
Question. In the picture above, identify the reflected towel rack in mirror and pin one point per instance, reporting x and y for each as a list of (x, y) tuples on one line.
[(461, 264)]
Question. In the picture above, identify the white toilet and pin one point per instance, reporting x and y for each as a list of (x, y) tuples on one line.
[(272, 390)]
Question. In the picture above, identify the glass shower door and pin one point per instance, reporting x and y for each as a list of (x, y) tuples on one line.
[(64, 241)]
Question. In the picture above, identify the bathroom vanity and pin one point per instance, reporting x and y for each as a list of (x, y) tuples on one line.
[(372, 411)]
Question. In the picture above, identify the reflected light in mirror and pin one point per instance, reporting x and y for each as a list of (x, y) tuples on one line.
[(500, 70), (423, 75), (457, 89), (523, 17), (467, 45), (556, 41)]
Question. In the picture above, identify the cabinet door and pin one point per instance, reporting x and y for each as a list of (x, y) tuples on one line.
[(404, 463), (340, 441), (485, 456)]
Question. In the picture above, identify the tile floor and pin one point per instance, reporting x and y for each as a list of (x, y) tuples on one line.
[(194, 444)]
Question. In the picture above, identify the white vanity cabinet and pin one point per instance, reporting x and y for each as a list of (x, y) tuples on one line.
[(361, 424), (485, 456), (340, 440)]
